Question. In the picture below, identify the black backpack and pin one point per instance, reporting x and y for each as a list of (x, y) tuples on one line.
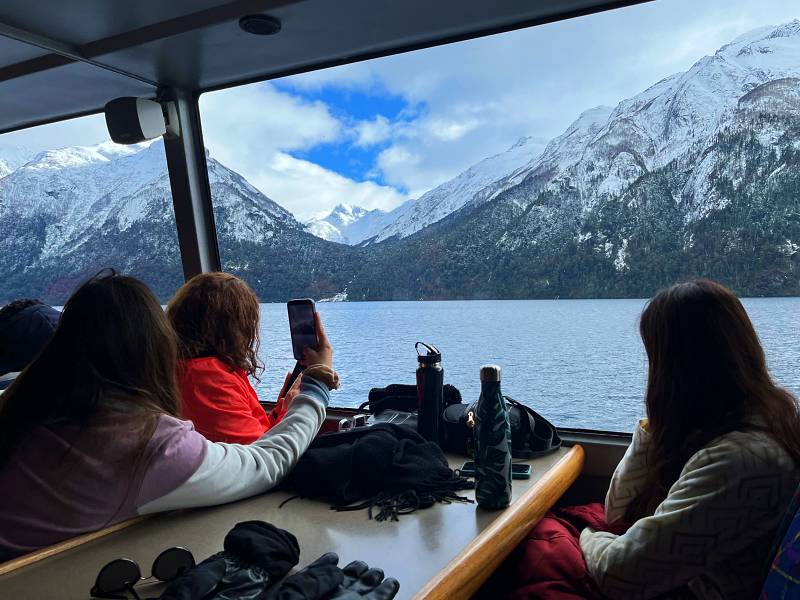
[(531, 434)]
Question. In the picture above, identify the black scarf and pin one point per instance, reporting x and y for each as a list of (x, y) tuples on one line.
[(386, 467)]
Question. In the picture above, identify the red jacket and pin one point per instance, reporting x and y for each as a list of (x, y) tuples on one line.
[(549, 564), (221, 403)]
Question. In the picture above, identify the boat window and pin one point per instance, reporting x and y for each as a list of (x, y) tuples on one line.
[(514, 199), (72, 202)]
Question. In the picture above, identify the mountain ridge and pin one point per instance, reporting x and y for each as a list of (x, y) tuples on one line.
[(348, 224)]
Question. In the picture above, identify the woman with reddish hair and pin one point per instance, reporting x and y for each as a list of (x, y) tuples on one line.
[(216, 318)]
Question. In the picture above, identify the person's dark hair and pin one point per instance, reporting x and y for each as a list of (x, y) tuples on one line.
[(113, 342), (14, 307), (216, 314), (707, 376)]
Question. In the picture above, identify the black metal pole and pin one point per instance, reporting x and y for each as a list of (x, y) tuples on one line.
[(191, 193)]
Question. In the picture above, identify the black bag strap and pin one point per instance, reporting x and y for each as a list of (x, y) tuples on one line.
[(541, 437), (403, 397)]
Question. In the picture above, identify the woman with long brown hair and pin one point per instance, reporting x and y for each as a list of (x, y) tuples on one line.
[(216, 318), (90, 432), (709, 473)]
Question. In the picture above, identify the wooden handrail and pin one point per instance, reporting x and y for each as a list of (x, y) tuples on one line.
[(465, 574), (33, 557)]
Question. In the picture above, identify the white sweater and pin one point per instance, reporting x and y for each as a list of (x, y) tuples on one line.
[(231, 472), (711, 536)]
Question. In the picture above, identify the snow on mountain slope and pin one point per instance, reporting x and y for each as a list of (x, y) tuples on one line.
[(669, 119), (345, 214), (80, 191), (326, 231), (348, 224), (562, 152), (243, 212), (372, 223), (461, 190), (331, 225)]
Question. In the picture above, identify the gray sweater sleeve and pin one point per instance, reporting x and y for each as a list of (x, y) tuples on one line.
[(629, 476), (231, 472)]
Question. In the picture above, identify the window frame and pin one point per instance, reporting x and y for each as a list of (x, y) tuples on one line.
[(187, 166)]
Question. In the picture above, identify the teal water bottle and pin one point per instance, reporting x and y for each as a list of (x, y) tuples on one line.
[(492, 443)]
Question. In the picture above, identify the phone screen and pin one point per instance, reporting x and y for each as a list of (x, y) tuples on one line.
[(301, 325), (518, 470)]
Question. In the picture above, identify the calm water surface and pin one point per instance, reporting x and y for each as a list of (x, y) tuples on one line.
[(578, 362)]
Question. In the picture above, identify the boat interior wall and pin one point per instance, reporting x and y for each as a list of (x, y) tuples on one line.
[(198, 45), (603, 452)]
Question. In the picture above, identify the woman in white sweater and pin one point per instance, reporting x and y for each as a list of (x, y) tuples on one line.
[(709, 474)]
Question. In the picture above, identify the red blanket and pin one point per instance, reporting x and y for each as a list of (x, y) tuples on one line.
[(549, 564)]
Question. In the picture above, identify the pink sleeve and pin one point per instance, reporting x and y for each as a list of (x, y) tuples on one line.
[(175, 452)]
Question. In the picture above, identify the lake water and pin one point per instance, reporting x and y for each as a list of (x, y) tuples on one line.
[(578, 362)]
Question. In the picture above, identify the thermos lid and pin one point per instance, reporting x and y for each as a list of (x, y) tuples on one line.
[(490, 373), (432, 355)]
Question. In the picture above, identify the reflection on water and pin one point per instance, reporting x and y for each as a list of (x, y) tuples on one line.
[(579, 362)]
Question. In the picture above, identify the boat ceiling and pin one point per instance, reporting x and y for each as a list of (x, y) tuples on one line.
[(104, 49)]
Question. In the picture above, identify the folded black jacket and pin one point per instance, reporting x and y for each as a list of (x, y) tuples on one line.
[(387, 466)]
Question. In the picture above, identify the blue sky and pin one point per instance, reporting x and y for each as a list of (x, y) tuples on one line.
[(352, 106), (380, 132)]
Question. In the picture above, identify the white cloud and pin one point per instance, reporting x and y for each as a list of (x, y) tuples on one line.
[(448, 130), (243, 127), (307, 189), (251, 130), (370, 133)]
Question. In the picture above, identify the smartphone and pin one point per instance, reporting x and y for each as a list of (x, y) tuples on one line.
[(518, 470), (304, 335), (301, 326)]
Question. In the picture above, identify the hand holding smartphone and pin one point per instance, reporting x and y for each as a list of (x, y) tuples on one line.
[(302, 325), (310, 345)]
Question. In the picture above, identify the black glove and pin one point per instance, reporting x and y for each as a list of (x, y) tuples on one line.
[(361, 582), (323, 580), (317, 581), (256, 554), (196, 583)]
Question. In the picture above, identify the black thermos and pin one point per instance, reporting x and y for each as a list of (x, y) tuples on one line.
[(430, 402)]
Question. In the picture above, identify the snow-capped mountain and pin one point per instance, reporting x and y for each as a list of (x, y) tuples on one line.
[(75, 210), (331, 225), (671, 118), (697, 175), (348, 224), (466, 189), (364, 230)]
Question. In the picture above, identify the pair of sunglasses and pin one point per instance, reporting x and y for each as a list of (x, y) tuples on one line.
[(120, 575)]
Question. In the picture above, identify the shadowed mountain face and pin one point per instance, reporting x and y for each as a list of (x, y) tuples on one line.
[(699, 175)]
